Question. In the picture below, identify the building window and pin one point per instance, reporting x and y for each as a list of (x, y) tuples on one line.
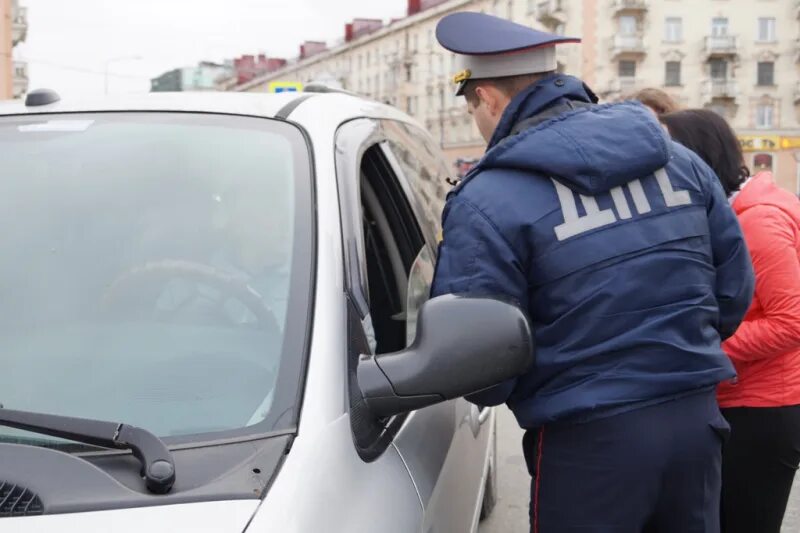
[(719, 69), (766, 29), (719, 27), (627, 25), (672, 75), (430, 38), (627, 69), (414, 42), (764, 116), (673, 29), (766, 73), (531, 7)]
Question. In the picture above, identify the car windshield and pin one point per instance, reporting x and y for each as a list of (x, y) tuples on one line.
[(154, 270)]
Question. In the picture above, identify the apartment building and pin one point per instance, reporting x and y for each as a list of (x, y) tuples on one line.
[(402, 64), (740, 58), (13, 30)]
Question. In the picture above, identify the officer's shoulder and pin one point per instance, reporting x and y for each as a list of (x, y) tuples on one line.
[(505, 197), (490, 184)]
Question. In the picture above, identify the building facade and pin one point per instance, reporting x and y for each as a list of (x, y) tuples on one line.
[(202, 77), (13, 30), (738, 58)]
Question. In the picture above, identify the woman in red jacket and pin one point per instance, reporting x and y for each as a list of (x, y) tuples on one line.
[(762, 404)]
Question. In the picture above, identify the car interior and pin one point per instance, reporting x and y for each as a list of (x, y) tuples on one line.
[(393, 241)]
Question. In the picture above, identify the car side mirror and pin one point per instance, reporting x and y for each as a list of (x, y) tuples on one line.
[(463, 345)]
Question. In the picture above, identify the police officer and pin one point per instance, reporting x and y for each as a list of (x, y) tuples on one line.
[(623, 250)]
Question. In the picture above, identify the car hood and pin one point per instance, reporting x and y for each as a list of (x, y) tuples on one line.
[(206, 517)]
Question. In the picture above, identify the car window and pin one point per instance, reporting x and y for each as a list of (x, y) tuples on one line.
[(420, 279), (152, 268), (399, 262), (423, 167)]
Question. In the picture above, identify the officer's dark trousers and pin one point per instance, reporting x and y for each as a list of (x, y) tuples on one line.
[(651, 470)]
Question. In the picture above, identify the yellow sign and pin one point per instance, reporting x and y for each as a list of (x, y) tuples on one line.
[(756, 143), (284, 87), (790, 142)]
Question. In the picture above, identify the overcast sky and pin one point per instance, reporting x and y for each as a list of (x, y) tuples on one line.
[(70, 41)]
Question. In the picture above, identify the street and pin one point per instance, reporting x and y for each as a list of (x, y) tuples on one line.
[(511, 513)]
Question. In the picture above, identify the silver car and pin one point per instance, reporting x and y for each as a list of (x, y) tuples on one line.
[(216, 317)]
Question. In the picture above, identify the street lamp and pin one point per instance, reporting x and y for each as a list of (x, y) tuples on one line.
[(114, 60)]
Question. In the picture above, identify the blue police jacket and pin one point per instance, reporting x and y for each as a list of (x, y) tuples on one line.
[(619, 243)]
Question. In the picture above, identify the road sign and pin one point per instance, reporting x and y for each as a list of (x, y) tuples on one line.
[(285, 87)]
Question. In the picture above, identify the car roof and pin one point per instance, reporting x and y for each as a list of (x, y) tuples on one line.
[(339, 106)]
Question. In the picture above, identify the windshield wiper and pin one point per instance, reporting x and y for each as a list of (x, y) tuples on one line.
[(158, 466)]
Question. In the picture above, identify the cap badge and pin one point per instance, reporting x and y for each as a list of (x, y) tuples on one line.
[(464, 75)]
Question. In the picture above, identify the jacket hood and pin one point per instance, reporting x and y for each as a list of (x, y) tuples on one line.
[(762, 190), (590, 149)]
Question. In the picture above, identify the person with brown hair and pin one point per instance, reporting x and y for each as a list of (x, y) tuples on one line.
[(657, 100), (762, 404)]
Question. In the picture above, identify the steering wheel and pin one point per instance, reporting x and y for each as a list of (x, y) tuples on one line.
[(134, 287)]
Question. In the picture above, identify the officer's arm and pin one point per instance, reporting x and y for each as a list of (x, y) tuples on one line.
[(735, 278), (476, 259)]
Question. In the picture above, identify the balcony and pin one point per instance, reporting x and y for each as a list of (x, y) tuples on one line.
[(720, 90), (619, 7), (19, 24), (723, 45), (20, 81), (551, 13), (626, 45)]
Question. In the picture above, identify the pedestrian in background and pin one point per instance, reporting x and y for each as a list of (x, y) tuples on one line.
[(657, 100), (763, 404), (623, 250)]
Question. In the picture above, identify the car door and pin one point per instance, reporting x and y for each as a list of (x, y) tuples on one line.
[(447, 446), (390, 241)]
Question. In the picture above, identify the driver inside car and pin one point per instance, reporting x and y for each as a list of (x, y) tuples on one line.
[(255, 255)]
